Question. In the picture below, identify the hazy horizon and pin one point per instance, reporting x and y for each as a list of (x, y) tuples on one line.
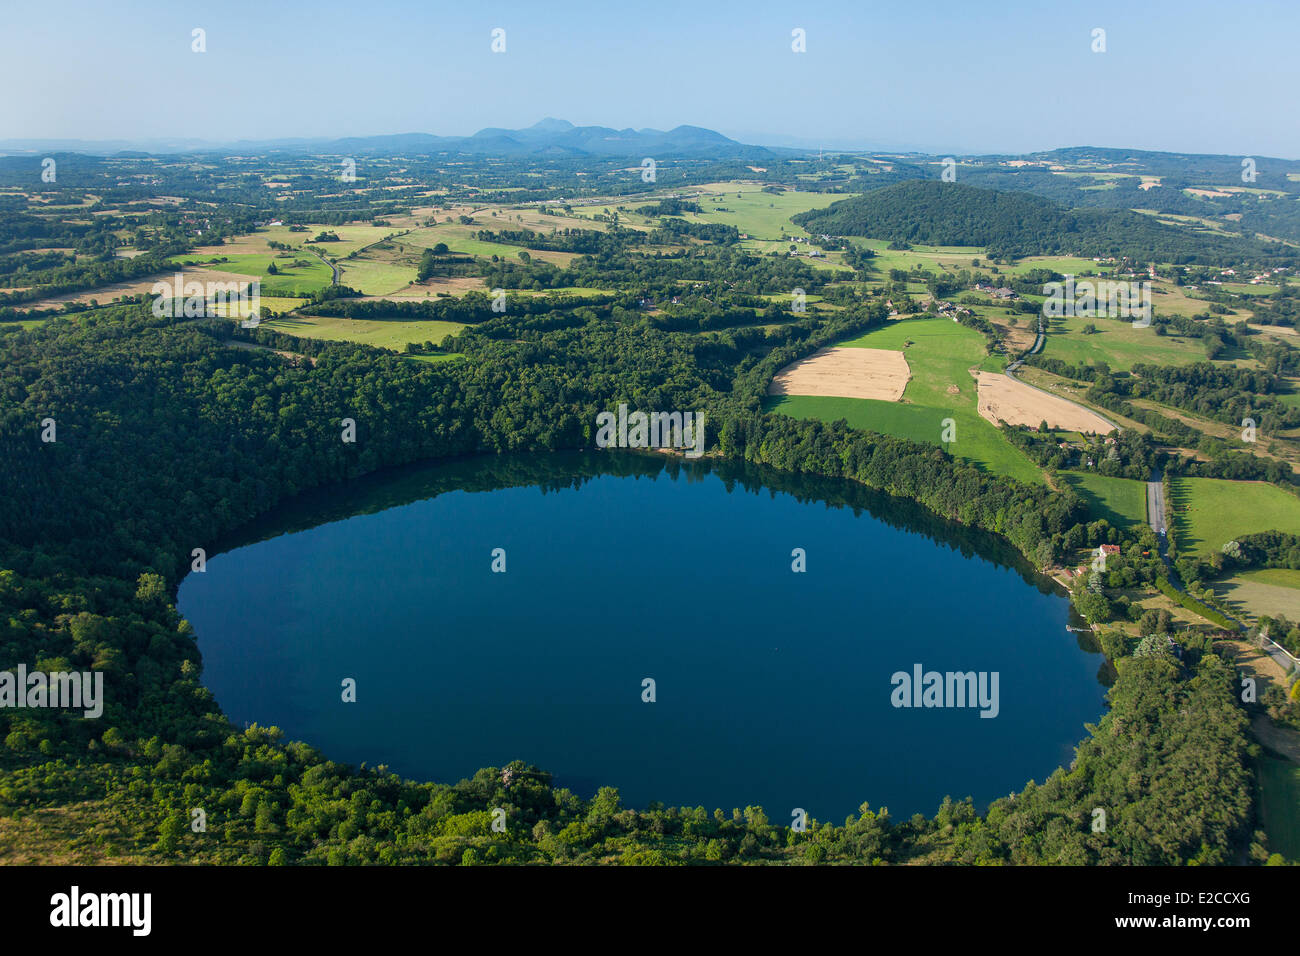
[(949, 78), (162, 145)]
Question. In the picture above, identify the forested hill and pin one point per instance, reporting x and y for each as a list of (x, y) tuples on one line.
[(1017, 224)]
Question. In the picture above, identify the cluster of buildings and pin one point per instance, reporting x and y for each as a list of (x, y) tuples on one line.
[(813, 252), (1230, 275), (943, 307), (996, 292), (1086, 460)]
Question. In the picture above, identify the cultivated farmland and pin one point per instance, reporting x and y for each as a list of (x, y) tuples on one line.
[(940, 355)]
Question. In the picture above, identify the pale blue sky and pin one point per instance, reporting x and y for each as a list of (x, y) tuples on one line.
[(944, 77)]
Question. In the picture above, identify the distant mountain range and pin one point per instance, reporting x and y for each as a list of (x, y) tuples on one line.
[(550, 137)]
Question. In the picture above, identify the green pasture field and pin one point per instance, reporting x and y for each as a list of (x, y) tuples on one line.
[(1117, 343), (940, 354), (1170, 299), (1279, 798), (1209, 512), (832, 261), (374, 276), (759, 215), (437, 358), (936, 259), (351, 238), (1121, 501), (1245, 288), (762, 215), (1270, 591), (290, 281), (978, 442), (1293, 396), (1066, 265)]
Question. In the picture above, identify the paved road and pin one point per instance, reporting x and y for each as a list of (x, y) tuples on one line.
[(328, 263), (1038, 347), (1157, 516), (1156, 506), (1283, 659)]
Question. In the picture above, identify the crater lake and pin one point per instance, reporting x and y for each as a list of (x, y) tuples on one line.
[(771, 687)]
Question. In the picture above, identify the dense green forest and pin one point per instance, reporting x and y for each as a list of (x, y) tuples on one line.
[(169, 439), (1016, 224)]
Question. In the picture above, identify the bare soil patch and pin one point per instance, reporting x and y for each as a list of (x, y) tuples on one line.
[(845, 373), (1002, 398)]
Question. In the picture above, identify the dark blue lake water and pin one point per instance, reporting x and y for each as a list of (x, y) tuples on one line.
[(772, 688)]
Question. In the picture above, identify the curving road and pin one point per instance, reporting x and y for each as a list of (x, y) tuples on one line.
[(328, 263), (1039, 342)]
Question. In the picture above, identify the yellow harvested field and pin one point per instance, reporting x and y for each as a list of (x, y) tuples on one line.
[(845, 373), (1002, 398), (107, 293), (1275, 330), (429, 288)]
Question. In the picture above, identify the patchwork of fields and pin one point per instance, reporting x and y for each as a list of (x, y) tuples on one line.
[(940, 355)]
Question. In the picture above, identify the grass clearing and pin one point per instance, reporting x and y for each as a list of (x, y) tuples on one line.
[(763, 217), (460, 238), (376, 276), (1121, 501), (438, 358), (755, 213), (351, 237), (1117, 343), (939, 259), (1279, 799), (1270, 591), (1209, 512), (290, 280)]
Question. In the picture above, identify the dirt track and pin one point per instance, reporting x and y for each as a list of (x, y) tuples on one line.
[(845, 373)]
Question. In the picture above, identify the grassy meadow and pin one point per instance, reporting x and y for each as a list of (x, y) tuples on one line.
[(1209, 512), (1279, 799), (290, 280), (1121, 501), (1117, 343), (1270, 591)]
